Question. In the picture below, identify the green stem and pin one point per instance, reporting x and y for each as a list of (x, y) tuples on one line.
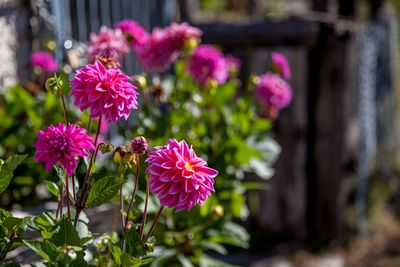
[(67, 195), (145, 209), (85, 186), (135, 187), (64, 108), (153, 224), (121, 205), (89, 128)]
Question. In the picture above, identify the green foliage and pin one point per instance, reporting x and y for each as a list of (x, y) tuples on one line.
[(104, 190), (7, 170), (11, 231)]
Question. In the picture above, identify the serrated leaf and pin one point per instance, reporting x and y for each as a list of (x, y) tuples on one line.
[(44, 249), (133, 245), (103, 190), (66, 234), (7, 170)]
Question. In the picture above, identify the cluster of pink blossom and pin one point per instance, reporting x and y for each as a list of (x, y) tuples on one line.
[(272, 90), (163, 47), (177, 176), (155, 51), (44, 61)]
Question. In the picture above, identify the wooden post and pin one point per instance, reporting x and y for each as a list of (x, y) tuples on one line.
[(331, 88)]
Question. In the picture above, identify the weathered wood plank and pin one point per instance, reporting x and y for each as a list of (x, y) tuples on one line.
[(295, 32)]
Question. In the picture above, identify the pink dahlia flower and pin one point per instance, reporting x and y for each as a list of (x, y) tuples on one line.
[(136, 34), (179, 33), (44, 61), (104, 91), (158, 53), (207, 63), (280, 64), (163, 47), (273, 91), (178, 177), (233, 63), (62, 144), (108, 43)]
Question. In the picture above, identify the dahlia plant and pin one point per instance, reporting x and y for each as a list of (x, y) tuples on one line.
[(179, 186)]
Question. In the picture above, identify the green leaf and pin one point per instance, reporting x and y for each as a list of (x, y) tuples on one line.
[(12, 224), (133, 244), (184, 261), (126, 260), (206, 261), (52, 188), (44, 222), (7, 170), (205, 245), (116, 253), (4, 214), (224, 93), (162, 259), (10, 264), (44, 249), (66, 234), (232, 234), (103, 190)]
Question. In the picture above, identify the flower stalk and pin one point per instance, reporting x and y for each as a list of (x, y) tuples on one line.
[(153, 224), (135, 187)]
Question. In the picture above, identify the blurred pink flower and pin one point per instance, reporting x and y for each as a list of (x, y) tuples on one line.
[(273, 92), (233, 63), (158, 53), (207, 63), (104, 92), (44, 61), (136, 34), (179, 33), (178, 177), (280, 65), (163, 47), (108, 43), (62, 144)]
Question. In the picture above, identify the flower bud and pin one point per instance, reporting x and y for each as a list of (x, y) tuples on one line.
[(140, 81), (105, 148), (54, 85), (139, 145), (123, 155)]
